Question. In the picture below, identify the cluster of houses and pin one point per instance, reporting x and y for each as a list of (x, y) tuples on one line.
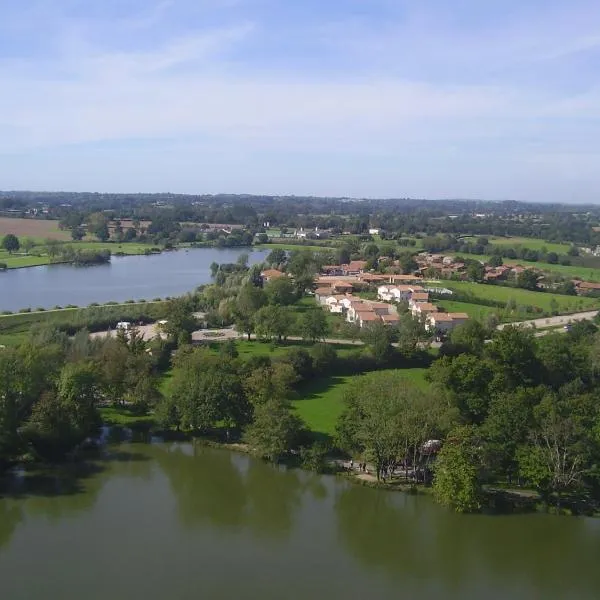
[(356, 310), (421, 307)]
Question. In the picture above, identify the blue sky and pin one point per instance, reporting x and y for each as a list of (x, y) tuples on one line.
[(362, 98)]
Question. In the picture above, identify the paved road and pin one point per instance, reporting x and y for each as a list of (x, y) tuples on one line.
[(205, 335), (554, 321)]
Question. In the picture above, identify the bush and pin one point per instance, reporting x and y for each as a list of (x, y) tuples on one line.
[(25, 310), (3, 266)]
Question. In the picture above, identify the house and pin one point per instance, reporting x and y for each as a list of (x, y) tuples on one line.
[(366, 317), (342, 287), (322, 293), (380, 308), (444, 322), (392, 320), (585, 287), (421, 309), (418, 297), (334, 305), (405, 279), (354, 308), (271, 274), (372, 278), (332, 270), (373, 231), (354, 267)]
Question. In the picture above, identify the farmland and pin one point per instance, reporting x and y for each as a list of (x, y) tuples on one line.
[(37, 229)]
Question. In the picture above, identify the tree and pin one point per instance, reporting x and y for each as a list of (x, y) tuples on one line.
[(475, 270), (407, 263), (77, 233), (280, 291), (207, 389), (457, 481), (514, 350), (28, 244), (378, 337), (387, 420), (495, 261), (277, 257), (273, 322), (465, 380), (468, 337), (11, 243), (411, 334), (313, 325), (274, 430), (528, 280), (249, 300), (180, 320), (562, 445), (324, 358)]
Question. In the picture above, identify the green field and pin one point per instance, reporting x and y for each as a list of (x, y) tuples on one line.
[(532, 243), (586, 273), (291, 247), (543, 300), (475, 311), (38, 254), (321, 401)]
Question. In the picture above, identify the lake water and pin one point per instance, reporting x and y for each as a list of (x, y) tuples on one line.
[(181, 521), (124, 278)]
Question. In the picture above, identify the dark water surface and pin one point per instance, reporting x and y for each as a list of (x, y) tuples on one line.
[(125, 278), (180, 521)]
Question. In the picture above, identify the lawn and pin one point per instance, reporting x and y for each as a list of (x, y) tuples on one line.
[(587, 273), (291, 247), (321, 401), (475, 311), (543, 300), (532, 243), (37, 255)]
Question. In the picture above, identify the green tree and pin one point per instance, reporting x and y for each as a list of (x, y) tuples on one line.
[(495, 261), (457, 480), (562, 446), (324, 358), (378, 337), (249, 300), (313, 325), (11, 243), (387, 420), (468, 337), (280, 291), (274, 322), (274, 430), (277, 257), (465, 380), (528, 280), (475, 270)]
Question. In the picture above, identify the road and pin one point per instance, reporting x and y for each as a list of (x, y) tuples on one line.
[(148, 332), (554, 321)]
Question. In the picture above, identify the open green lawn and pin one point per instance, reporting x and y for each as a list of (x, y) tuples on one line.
[(475, 311), (532, 243), (586, 273), (543, 300), (290, 247), (321, 401), (38, 254)]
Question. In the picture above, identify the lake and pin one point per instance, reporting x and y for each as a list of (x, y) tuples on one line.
[(124, 278), (182, 521)]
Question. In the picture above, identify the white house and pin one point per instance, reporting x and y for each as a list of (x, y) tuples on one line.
[(396, 293), (445, 322), (373, 231), (421, 309)]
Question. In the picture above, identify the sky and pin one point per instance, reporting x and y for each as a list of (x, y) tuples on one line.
[(359, 98)]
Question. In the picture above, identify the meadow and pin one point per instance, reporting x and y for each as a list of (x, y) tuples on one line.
[(38, 229), (321, 401), (544, 300)]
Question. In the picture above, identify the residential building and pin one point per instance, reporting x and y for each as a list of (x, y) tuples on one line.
[(271, 274)]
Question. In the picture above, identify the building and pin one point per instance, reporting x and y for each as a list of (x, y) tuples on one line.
[(444, 322), (422, 309), (366, 317), (322, 293), (271, 274), (354, 267)]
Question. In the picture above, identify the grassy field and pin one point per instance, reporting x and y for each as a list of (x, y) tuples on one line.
[(290, 247), (586, 273), (38, 229), (321, 401), (543, 300), (475, 311), (38, 255), (532, 243)]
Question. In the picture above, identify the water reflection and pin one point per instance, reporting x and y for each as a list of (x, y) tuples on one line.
[(413, 540)]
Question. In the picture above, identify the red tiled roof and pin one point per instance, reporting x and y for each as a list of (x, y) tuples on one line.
[(272, 273)]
